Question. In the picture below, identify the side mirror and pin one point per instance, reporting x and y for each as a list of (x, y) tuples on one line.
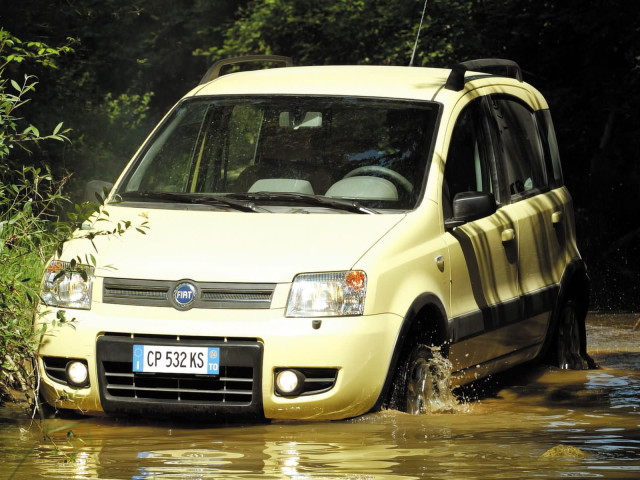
[(469, 206), (96, 187)]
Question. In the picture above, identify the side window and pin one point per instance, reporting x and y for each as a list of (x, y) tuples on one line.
[(550, 144), (520, 146), (468, 166)]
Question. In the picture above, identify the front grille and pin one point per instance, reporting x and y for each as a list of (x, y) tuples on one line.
[(235, 390), (157, 293), (112, 292), (224, 298), (232, 385)]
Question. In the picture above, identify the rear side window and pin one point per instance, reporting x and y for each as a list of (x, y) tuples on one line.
[(520, 146)]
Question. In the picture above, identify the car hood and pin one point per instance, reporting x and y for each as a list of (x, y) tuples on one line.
[(205, 245)]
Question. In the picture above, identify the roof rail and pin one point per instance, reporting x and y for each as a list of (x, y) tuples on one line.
[(494, 66), (214, 70)]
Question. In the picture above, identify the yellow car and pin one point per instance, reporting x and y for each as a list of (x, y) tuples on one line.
[(315, 235)]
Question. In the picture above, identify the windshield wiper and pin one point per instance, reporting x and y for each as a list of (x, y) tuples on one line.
[(305, 199), (214, 200)]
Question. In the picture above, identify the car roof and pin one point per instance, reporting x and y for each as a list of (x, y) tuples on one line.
[(361, 80), (397, 82)]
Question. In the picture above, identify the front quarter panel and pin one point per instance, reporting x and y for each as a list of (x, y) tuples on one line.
[(407, 262)]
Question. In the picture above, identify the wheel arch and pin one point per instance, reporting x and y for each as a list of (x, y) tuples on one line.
[(424, 322), (575, 283)]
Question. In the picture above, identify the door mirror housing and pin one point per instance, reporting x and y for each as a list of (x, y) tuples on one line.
[(93, 188), (469, 206)]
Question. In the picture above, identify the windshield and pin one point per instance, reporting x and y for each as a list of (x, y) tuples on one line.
[(371, 152)]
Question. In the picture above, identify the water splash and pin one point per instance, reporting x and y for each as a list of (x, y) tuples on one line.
[(442, 399)]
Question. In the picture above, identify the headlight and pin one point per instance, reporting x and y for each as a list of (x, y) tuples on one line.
[(67, 285), (327, 294)]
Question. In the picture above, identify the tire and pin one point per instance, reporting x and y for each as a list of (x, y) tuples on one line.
[(569, 349), (422, 383)]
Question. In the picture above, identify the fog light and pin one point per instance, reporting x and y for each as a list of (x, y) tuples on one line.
[(289, 382), (77, 374)]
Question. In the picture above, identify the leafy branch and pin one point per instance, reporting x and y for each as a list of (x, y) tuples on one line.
[(38, 52), (10, 135)]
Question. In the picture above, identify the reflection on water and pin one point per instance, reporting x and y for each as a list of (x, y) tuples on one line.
[(515, 428)]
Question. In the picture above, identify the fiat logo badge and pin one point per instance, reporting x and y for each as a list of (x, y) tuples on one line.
[(184, 294)]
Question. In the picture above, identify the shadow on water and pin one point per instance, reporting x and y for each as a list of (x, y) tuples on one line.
[(533, 422)]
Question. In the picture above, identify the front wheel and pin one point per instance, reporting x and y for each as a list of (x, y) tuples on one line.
[(423, 382)]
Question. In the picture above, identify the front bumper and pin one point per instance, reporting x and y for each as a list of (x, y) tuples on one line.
[(346, 361)]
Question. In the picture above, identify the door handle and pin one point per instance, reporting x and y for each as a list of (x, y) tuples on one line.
[(556, 217), (507, 235)]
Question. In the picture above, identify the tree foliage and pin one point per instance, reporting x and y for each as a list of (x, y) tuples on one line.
[(345, 31), (14, 94)]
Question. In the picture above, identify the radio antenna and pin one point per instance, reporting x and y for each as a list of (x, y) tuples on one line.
[(415, 45)]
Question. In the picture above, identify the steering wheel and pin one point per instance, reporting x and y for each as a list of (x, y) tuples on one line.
[(384, 171)]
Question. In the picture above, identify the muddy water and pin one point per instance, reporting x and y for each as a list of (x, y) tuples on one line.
[(532, 423)]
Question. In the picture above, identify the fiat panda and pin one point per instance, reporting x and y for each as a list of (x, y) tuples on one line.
[(316, 236)]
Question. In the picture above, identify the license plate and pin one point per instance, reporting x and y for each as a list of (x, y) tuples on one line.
[(176, 359)]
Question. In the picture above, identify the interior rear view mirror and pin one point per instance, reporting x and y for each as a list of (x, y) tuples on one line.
[(297, 120)]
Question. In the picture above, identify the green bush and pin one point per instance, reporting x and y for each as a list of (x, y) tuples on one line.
[(31, 202), (30, 199)]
